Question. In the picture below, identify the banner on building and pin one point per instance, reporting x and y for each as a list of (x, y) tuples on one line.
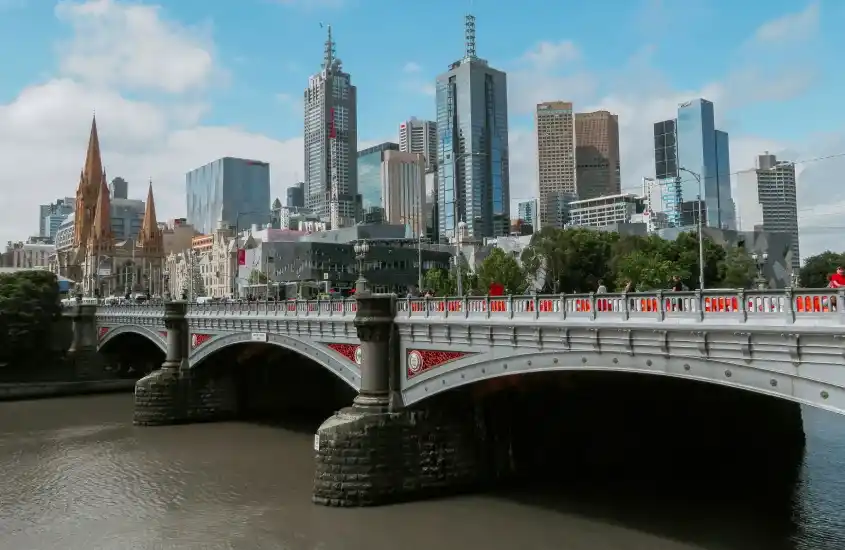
[(241, 256)]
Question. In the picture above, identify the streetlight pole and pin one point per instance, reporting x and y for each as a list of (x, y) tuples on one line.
[(419, 263), (361, 249), (700, 232)]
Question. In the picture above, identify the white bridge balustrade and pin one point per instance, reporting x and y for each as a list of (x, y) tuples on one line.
[(787, 343)]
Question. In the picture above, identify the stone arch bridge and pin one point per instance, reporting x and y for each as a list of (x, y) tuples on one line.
[(398, 354)]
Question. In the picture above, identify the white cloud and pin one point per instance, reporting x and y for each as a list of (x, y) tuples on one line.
[(791, 27), (43, 131), (131, 46), (411, 67), (641, 95)]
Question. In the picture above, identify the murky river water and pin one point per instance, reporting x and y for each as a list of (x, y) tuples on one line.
[(75, 474)]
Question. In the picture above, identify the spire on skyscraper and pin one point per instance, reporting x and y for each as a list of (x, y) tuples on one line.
[(329, 52), (469, 36)]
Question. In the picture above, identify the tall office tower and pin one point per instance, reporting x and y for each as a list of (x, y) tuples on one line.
[(331, 142), (768, 202), (420, 136), (473, 167), (296, 195), (597, 170), (231, 190), (691, 143), (403, 190), (369, 174), (556, 168)]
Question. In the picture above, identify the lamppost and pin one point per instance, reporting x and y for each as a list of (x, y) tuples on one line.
[(459, 279), (362, 248), (760, 262), (700, 233), (165, 291)]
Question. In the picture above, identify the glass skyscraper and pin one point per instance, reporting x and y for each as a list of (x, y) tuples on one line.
[(692, 142), (472, 146), (369, 173), (231, 190)]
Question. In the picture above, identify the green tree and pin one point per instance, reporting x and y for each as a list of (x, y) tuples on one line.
[(569, 260), (738, 268), (501, 267), (439, 281), (29, 307), (817, 269), (646, 271), (683, 251)]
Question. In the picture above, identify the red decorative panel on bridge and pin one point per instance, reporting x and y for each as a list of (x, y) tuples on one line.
[(350, 351), (422, 360), (199, 339), (162, 333), (102, 332)]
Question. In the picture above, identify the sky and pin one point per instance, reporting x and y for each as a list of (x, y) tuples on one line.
[(176, 84)]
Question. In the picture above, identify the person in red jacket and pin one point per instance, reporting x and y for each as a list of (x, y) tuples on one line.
[(837, 280)]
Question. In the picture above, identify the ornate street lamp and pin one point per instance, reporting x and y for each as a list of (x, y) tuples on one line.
[(760, 262), (361, 248)]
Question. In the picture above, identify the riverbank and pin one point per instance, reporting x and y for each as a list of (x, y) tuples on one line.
[(41, 390)]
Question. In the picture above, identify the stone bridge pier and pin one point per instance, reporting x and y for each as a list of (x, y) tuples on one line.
[(177, 394)]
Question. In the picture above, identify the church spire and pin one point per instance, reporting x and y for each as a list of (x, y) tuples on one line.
[(101, 235), (93, 170), (151, 237)]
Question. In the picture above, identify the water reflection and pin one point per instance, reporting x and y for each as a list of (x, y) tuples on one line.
[(77, 475)]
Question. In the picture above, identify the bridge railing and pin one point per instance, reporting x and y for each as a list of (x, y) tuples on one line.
[(788, 305), (283, 308)]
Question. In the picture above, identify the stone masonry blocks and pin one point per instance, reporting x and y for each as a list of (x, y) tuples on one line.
[(373, 459), (176, 397)]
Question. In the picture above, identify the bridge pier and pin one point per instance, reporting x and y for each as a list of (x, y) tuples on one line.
[(375, 452), (83, 354), (176, 394)]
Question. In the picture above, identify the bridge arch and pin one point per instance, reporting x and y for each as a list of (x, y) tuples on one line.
[(491, 365), (332, 361), (114, 332)]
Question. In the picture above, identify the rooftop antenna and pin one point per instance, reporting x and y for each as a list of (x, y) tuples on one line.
[(329, 52), (469, 36)]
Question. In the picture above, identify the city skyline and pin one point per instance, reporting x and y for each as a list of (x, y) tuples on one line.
[(147, 137)]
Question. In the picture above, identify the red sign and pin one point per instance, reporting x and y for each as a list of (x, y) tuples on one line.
[(496, 289), (241, 256)]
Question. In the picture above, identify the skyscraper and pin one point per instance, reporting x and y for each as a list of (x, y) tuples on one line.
[(420, 136), (231, 190), (403, 190), (597, 155), (296, 195), (331, 142), (767, 200), (369, 173), (692, 143), (556, 168), (472, 146)]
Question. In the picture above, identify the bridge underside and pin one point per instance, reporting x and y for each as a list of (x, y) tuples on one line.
[(244, 380), (562, 428)]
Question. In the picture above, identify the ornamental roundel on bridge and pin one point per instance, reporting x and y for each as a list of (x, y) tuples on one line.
[(423, 360)]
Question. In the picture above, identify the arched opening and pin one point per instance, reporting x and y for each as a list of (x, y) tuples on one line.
[(636, 448), (277, 386), (131, 355)]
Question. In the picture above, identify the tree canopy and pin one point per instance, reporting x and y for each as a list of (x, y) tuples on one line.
[(29, 305), (817, 269)]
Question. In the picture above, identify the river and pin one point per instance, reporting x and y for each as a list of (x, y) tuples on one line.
[(77, 475)]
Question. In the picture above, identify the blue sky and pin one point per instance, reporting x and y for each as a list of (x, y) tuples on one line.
[(178, 83)]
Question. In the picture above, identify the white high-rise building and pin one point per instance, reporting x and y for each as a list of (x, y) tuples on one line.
[(403, 190), (767, 200), (331, 142), (420, 136)]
